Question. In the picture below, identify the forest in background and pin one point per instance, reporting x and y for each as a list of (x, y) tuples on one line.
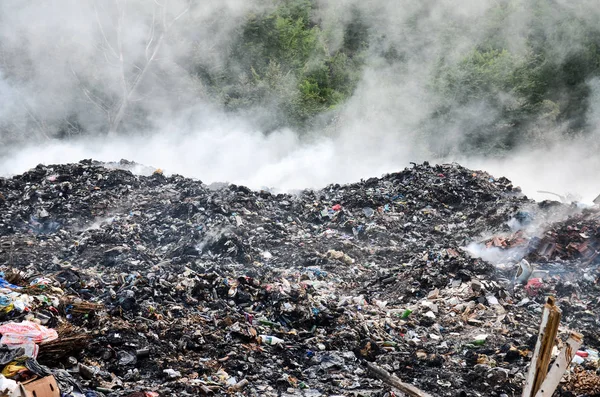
[(483, 78)]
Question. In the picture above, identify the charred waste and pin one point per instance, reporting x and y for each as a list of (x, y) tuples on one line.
[(118, 284)]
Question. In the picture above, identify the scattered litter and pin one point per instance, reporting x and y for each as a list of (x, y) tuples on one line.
[(147, 286)]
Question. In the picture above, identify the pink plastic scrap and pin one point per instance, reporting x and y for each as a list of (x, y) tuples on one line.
[(533, 286), (25, 332)]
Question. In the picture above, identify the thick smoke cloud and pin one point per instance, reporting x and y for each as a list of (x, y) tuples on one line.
[(61, 72)]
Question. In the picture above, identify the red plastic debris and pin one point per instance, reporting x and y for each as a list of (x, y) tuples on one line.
[(336, 207), (533, 286), (581, 353)]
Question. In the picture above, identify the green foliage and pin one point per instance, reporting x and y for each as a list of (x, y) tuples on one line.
[(281, 61), (499, 92), (478, 75), (544, 85)]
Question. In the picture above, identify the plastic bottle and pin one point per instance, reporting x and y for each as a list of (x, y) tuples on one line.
[(270, 340)]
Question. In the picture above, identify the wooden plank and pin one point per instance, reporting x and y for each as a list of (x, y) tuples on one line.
[(538, 369), (560, 365), (394, 381)]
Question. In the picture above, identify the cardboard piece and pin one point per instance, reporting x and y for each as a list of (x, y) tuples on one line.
[(43, 387)]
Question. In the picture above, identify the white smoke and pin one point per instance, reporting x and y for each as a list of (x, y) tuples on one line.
[(53, 55)]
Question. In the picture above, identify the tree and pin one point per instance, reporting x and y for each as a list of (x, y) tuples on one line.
[(281, 61), (115, 56)]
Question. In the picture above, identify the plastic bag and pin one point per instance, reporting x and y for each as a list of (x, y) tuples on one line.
[(25, 332)]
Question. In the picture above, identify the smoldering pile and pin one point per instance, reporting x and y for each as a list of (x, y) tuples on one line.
[(164, 285)]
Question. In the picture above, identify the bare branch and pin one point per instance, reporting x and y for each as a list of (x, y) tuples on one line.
[(109, 62), (73, 126), (143, 71), (41, 126), (181, 14), (92, 98), (164, 16), (128, 93), (96, 101), (152, 30), (110, 47), (141, 98), (120, 20)]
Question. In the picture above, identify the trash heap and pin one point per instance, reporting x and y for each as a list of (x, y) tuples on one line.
[(116, 284)]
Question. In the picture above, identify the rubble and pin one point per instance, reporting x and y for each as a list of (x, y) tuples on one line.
[(156, 285)]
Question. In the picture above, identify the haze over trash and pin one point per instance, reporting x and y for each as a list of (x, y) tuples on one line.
[(507, 86)]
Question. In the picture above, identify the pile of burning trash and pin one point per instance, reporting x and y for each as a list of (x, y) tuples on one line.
[(116, 284)]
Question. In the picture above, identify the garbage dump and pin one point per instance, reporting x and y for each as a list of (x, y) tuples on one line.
[(116, 284)]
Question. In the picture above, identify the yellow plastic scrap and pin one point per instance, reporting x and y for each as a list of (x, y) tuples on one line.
[(13, 369)]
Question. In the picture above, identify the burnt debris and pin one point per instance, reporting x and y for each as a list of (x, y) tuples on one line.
[(161, 285)]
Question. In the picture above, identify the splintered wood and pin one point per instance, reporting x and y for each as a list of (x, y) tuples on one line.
[(560, 365), (394, 381), (543, 348), (540, 382)]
